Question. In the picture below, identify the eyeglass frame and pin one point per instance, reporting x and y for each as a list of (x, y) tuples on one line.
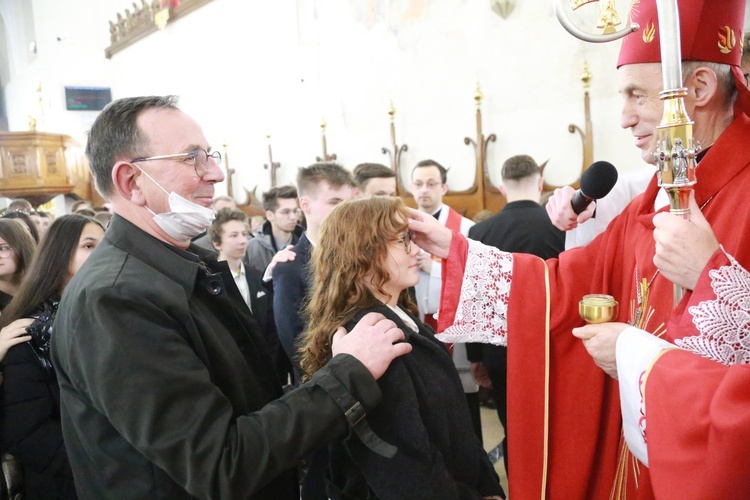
[(288, 211), (406, 239), (215, 155), (7, 252), (429, 184)]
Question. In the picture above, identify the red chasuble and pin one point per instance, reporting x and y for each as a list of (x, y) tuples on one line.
[(564, 423), (698, 405), (698, 427)]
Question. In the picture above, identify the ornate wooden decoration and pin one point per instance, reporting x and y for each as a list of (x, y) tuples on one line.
[(251, 206), (146, 18), (587, 136), (482, 194), (326, 156), (491, 197), (39, 166), (271, 165), (394, 153)]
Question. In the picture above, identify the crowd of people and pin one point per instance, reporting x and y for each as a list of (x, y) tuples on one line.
[(171, 346)]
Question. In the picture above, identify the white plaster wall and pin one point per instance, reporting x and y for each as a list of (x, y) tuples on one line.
[(247, 68)]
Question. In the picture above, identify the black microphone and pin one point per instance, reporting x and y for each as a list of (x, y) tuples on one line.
[(596, 182)]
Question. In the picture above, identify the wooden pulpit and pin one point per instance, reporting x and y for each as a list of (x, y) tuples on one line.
[(38, 166)]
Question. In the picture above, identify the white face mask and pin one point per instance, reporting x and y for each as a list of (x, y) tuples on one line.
[(185, 220)]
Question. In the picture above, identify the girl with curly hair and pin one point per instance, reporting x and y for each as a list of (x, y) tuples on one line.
[(419, 442)]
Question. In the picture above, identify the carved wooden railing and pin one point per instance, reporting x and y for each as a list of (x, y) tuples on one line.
[(482, 194), (273, 166), (490, 197), (587, 136), (146, 18), (394, 154), (326, 157), (250, 205)]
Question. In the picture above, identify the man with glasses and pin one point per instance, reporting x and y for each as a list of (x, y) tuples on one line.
[(166, 386), (280, 230), (429, 182)]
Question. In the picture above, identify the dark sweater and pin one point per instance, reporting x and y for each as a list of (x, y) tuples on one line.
[(423, 413)]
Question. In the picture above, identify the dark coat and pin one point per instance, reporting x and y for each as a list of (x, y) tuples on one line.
[(166, 386), (30, 414), (4, 300), (423, 414), (290, 285), (522, 227)]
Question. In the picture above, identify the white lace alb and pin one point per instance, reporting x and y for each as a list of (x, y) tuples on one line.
[(482, 312), (723, 323)]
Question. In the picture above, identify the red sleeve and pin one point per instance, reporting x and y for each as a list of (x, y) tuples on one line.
[(453, 276), (698, 427)]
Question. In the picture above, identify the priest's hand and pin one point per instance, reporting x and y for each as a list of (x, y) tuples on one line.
[(561, 212), (600, 342), (424, 261), (375, 341), (429, 234), (480, 375), (683, 247)]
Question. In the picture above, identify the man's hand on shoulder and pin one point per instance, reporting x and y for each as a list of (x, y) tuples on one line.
[(374, 341)]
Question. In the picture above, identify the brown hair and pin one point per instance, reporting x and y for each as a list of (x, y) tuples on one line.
[(310, 177), (347, 263), (226, 214), (271, 197), (365, 172), (22, 243), (115, 136)]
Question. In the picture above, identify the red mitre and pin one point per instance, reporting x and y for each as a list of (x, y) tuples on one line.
[(710, 31)]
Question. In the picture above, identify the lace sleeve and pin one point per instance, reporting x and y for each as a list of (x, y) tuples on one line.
[(723, 323), (482, 313)]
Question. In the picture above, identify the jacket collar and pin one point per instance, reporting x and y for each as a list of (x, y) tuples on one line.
[(178, 265)]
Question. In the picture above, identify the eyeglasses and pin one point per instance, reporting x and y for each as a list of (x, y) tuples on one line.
[(429, 184), (5, 251), (198, 158), (288, 211), (406, 239)]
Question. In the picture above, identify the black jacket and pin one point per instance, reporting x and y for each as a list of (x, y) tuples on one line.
[(424, 415), (166, 386), (30, 413)]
